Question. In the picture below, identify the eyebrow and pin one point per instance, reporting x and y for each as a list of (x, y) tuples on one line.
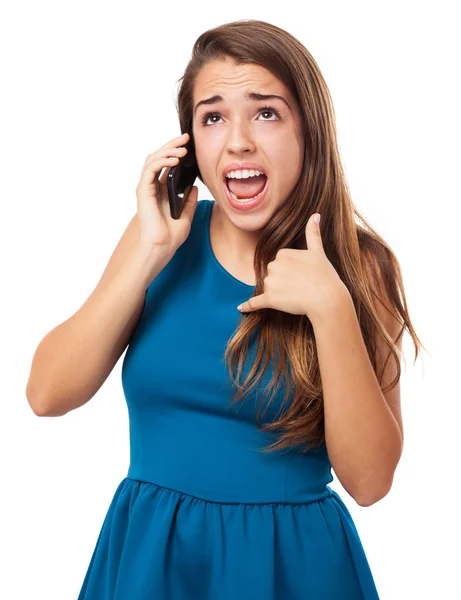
[(249, 96)]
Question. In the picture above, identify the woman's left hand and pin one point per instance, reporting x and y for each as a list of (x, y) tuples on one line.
[(301, 282)]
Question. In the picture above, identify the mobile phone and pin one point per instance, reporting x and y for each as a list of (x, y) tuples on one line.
[(181, 179)]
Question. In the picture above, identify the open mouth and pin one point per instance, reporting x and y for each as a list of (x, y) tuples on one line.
[(247, 203), (246, 189)]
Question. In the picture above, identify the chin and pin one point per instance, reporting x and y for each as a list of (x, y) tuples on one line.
[(249, 222)]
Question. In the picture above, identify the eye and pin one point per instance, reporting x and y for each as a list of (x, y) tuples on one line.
[(265, 109)]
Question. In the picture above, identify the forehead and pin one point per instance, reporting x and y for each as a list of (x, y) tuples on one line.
[(228, 78)]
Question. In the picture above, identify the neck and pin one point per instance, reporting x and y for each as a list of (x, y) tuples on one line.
[(238, 244)]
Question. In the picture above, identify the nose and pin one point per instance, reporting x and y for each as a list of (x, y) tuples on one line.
[(240, 139)]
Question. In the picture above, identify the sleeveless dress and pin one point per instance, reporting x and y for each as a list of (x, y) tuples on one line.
[(203, 514)]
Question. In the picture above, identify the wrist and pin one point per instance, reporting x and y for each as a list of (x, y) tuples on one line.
[(339, 305)]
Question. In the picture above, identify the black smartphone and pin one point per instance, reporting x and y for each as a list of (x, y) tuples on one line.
[(181, 179)]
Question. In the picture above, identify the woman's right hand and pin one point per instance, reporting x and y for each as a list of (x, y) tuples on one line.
[(157, 228)]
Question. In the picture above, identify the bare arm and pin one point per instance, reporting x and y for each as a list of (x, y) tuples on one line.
[(75, 358)]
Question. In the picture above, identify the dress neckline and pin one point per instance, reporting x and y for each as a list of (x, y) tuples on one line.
[(210, 204)]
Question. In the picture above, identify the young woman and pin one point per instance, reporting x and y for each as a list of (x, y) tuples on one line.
[(221, 501)]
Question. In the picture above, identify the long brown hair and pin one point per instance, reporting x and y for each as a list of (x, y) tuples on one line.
[(287, 340)]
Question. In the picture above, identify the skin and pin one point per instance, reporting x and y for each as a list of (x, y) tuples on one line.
[(243, 132)]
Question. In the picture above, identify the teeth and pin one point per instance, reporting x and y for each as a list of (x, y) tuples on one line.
[(244, 174), (246, 200)]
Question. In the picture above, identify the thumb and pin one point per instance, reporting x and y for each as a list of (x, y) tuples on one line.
[(191, 203)]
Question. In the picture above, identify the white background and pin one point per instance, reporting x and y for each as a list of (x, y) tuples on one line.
[(88, 92)]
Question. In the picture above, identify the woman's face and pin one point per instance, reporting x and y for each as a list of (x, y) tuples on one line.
[(240, 131)]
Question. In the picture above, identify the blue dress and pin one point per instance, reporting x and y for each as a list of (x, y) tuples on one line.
[(202, 513)]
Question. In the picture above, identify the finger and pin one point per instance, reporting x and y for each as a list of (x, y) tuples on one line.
[(165, 153), (190, 205), (151, 171), (164, 175), (254, 303), (314, 235), (181, 139)]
